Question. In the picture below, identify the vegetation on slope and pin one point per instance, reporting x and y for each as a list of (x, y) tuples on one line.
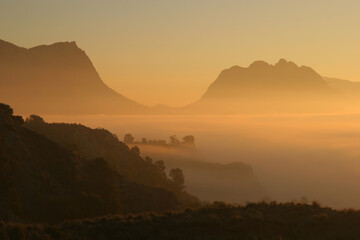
[(42, 181), (218, 221), (100, 143)]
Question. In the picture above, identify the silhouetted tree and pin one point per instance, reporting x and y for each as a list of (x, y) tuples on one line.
[(144, 141), (189, 139), (35, 119), (177, 177), (128, 138), (174, 140), (148, 160), (135, 150), (5, 110), (160, 165)]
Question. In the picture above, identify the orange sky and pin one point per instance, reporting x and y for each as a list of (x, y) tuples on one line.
[(170, 51)]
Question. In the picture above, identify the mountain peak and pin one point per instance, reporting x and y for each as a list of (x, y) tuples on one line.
[(259, 64), (58, 46), (285, 78), (6, 46), (282, 61), (66, 44), (288, 64), (5, 43)]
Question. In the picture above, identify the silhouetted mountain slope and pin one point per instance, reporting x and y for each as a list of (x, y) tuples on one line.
[(41, 181), (260, 77), (349, 88), (100, 143), (57, 78), (34, 170), (267, 221), (263, 88)]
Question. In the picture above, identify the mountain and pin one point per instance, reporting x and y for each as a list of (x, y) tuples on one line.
[(43, 181), (264, 88), (56, 79), (349, 88), (100, 143)]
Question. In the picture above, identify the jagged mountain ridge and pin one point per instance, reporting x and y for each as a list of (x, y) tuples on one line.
[(57, 78), (260, 77), (266, 88), (60, 79)]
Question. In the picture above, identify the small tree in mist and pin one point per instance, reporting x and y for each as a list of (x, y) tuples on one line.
[(189, 139), (174, 140), (128, 138)]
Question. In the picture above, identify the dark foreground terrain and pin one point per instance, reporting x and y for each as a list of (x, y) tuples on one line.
[(218, 221), (68, 181)]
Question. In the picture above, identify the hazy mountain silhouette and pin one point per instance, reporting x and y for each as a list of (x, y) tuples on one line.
[(60, 79), (349, 88), (57, 78), (262, 87)]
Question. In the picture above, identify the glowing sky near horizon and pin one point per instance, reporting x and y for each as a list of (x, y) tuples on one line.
[(168, 52)]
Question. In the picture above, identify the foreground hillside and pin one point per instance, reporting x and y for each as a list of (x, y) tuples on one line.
[(100, 143), (42, 181), (220, 221)]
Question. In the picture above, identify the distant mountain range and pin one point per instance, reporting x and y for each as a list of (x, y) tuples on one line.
[(264, 88), (60, 79), (283, 79)]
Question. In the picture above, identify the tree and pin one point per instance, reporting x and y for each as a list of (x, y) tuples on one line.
[(128, 138), (174, 140), (189, 139), (5, 110), (177, 178), (160, 165), (35, 119), (135, 150), (148, 160)]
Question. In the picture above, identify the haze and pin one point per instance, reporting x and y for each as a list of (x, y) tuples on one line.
[(168, 52), (206, 119), (294, 156)]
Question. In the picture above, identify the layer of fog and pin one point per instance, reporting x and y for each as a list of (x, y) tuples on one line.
[(294, 156)]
